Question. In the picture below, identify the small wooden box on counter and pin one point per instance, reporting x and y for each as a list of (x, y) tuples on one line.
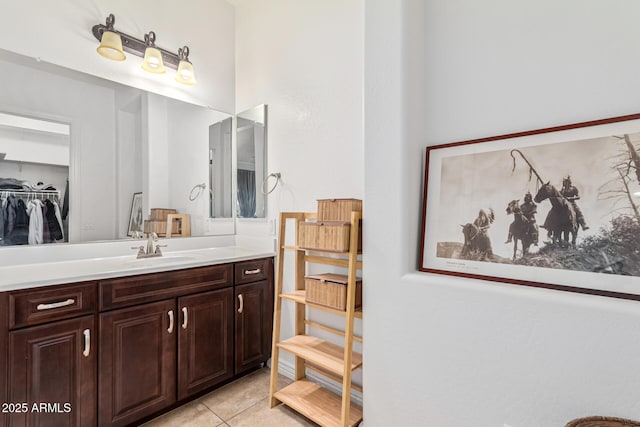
[(160, 214), (330, 236), (160, 227), (331, 290), (338, 209)]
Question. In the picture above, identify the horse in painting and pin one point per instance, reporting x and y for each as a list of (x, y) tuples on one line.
[(520, 228), (561, 219), (477, 244)]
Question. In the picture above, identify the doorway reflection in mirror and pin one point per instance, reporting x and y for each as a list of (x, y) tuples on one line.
[(252, 148)]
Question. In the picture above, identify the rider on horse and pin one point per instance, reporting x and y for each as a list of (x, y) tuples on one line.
[(571, 194), (484, 220), (529, 209)]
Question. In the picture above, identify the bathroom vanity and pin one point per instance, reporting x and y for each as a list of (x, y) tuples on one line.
[(129, 344)]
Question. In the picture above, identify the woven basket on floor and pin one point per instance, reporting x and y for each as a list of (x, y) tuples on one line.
[(602, 422)]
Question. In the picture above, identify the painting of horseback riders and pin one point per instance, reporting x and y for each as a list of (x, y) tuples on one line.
[(555, 208)]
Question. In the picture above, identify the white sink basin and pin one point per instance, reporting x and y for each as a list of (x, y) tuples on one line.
[(161, 260)]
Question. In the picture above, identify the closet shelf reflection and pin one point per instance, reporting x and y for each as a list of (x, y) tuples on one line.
[(30, 194)]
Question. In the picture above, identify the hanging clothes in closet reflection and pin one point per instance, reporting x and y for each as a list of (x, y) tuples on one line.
[(30, 216)]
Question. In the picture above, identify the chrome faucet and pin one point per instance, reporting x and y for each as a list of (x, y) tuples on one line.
[(150, 252)]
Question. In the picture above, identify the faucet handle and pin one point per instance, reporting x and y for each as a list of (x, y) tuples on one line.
[(140, 250), (158, 251)]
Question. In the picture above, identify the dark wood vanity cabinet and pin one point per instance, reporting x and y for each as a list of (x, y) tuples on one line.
[(253, 314), (205, 341), (51, 357), (137, 373), (253, 335), (120, 350), (53, 367)]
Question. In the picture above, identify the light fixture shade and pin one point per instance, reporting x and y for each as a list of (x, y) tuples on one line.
[(111, 46), (185, 74), (153, 61)]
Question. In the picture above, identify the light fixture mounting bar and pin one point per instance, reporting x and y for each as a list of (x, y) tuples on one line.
[(137, 47)]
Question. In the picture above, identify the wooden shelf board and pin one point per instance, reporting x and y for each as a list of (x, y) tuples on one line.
[(336, 378), (321, 353), (299, 297), (317, 403), (338, 262)]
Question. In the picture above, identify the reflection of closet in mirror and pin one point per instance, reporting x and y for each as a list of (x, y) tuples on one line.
[(252, 162), (220, 169), (34, 169), (123, 141)]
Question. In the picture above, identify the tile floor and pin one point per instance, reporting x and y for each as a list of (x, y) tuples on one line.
[(242, 403)]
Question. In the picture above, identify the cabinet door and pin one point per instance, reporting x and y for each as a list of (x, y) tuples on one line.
[(53, 367), (137, 362), (253, 325), (205, 341)]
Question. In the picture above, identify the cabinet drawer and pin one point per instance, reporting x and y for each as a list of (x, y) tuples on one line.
[(132, 290), (35, 306), (252, 271)]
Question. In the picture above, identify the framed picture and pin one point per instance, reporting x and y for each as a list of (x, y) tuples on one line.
[(136, 222), (557, 208)]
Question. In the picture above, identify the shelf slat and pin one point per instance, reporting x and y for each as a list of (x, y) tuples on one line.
[(337, 262), (321, 353), (317, 403), (299, 297), (336, 378), (330, 329)]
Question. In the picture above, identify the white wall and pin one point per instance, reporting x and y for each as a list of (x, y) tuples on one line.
[(60, 32), (449, 352), (305, 60)]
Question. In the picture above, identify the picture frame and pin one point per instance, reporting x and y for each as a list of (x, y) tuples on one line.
[(136, 219), (580, 222)]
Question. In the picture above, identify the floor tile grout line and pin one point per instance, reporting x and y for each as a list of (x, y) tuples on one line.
[(244, 410), (210, 410)]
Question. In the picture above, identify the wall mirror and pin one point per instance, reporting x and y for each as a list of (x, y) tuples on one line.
[(121, 141), (251, 131), (220, 169)]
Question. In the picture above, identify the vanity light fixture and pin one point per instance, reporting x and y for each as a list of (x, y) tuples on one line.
[(110, 42), (114, 43), (185, 73), (152, 56)]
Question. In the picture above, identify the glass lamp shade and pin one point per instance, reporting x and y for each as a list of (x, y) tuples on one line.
[(111, 46), (185, 73), (153, 61)]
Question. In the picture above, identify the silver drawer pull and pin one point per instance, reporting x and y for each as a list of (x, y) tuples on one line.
[(70, 301), (87, 343), (185, 319), (254, 271), (170, 313), (241, 303)]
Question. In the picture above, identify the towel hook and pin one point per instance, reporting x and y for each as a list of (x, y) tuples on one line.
[(275, 175), (200, 188)]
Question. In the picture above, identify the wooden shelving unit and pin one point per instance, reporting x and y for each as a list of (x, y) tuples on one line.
[(333, 361)]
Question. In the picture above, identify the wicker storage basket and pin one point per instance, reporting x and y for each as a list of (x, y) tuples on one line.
[(338, 209), (159, 214), (330, 236), (331, 290), (602, 422)]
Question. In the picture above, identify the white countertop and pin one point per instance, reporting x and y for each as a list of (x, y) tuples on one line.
[(52, 273)]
